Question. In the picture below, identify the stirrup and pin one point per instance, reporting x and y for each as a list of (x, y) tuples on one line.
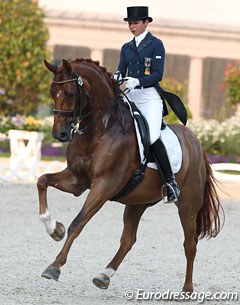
[(165, 198)]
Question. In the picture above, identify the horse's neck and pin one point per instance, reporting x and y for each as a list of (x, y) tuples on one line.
[(95, 118), (102, 105)]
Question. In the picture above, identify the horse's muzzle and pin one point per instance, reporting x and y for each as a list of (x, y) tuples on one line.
[(63, 135)]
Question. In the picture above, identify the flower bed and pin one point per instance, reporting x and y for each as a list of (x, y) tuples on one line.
[(29, 123), (221, 141), (50, 146)]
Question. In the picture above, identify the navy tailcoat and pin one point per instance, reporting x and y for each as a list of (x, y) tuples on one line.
[(146, 63)]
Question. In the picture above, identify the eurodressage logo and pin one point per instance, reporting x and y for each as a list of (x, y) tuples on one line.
[(200, 297)]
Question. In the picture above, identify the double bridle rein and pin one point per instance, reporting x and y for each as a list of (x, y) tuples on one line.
[(76, 114)]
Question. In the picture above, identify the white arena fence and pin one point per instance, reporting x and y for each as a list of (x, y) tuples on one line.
[(24, 164), (25, 161), (221, 171)]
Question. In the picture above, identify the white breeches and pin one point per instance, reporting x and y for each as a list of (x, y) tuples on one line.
[(150, 104)]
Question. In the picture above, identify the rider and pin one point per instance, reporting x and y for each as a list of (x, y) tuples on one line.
[(143, 58)]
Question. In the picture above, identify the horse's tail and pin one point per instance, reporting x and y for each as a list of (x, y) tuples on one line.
[(208, 219)]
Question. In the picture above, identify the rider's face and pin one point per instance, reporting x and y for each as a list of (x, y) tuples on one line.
[(138, 27)]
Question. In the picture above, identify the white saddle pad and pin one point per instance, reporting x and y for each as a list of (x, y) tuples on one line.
[(171, 142), (172, 145)]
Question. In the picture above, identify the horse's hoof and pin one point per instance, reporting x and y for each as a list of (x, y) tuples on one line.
[(59, 231), (187, 290), (51, 273), (102, 281)]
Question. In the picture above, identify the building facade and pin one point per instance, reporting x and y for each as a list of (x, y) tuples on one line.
[(196, 54)]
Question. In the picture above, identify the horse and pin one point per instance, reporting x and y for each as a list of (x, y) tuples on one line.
[(102, 155)]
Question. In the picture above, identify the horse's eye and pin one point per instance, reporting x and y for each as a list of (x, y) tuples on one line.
[(69, 94)]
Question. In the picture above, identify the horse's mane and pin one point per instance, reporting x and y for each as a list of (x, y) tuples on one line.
[(95, 63)]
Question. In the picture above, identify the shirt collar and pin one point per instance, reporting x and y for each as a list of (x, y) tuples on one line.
[(140, 37)]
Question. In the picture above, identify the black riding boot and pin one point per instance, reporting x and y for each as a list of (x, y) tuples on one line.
[(164, 167)]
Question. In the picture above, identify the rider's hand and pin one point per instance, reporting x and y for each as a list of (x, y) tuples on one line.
[(118, 76), (131, 82)]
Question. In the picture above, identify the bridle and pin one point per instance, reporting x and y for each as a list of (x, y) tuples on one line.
[(76, 114)]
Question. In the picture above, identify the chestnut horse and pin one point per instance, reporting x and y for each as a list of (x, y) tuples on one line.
[(102, 155)]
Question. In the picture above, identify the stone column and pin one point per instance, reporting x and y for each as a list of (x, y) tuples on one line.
[(195, 87), (97, 54)]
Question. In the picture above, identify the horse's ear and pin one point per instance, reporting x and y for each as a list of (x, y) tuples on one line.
[(50, 67), (67, 67)]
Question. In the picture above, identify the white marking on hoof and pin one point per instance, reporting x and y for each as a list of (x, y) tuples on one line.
[(108, 272), (49, 223)]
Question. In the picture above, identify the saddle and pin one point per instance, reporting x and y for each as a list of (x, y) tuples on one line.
[(143, 128)]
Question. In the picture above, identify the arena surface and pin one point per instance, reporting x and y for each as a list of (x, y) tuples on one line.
[(155, 264)]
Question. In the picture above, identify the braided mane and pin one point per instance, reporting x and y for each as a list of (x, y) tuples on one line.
[(95, 63)]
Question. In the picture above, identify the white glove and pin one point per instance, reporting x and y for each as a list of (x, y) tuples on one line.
[(131, 82), (117, 76)]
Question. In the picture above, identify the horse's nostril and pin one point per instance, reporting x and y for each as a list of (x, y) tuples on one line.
[(63, 135)]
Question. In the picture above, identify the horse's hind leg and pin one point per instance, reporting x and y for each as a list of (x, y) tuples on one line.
[(188, 220), (131, 218)]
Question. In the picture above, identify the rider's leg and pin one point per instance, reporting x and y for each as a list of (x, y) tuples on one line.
[(164, 167), (150, 104)]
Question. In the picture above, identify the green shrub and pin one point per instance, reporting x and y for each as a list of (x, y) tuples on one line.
[(24, 82), (172, 85)]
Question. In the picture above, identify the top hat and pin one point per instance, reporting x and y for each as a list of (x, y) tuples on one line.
[(137, 13)]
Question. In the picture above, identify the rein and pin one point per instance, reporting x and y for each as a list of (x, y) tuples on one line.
[(78, 117), (82, 130)]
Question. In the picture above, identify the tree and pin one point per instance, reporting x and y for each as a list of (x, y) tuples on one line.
[(24, 82)]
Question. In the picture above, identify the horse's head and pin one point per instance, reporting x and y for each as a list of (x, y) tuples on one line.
[(83, 93), (69, 93)]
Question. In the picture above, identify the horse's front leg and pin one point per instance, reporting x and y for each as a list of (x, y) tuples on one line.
[(94, 201), (64, 181), (131, 218)]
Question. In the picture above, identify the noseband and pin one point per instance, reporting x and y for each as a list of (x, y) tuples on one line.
[(79, 84)]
